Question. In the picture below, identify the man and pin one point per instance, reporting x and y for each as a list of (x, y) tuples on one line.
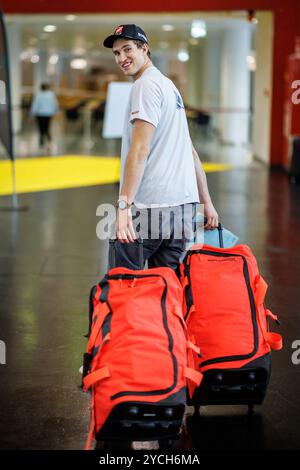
[(159, 165)]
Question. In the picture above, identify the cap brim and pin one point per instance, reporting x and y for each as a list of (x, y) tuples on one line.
[(109, 41)]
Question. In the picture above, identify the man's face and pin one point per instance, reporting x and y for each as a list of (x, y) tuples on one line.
[(129, 57)]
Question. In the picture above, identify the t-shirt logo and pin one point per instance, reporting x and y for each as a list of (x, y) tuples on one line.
[(179, 102), (119, 30)]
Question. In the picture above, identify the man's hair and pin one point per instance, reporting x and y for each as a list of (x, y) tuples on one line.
[(139, 45)]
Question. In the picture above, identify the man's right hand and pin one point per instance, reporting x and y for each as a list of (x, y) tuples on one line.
[(124, 229)]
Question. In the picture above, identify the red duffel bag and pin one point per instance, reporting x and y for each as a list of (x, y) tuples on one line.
[(225, 313), (136, 360)]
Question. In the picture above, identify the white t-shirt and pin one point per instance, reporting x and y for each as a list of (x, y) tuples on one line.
[(169, 177)]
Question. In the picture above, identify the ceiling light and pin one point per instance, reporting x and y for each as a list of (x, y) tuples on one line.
[(49, 28), (198, 29), (168, 27), (34, 59), (183, 55), (53, 59), (78, 64), (71, 17)]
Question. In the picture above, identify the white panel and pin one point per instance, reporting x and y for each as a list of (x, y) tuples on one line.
[(116, 104), (263, 86)]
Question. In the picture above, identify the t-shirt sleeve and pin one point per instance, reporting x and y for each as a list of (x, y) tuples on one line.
[(146, 101)]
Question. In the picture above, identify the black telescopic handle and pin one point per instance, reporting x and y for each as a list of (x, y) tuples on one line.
[(112, 252), (220, 230)]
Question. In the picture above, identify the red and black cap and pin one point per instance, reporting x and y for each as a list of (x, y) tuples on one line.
[(129, 31)]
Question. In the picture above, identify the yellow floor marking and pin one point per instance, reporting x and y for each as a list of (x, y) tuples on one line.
[(212, 167), (72, 171), (43, 174)]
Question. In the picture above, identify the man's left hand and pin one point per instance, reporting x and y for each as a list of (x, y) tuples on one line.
[(212, 218)]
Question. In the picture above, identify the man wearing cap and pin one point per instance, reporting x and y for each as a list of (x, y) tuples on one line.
[(159, 164)]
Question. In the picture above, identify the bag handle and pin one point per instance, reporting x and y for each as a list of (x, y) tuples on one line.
[(94, 377), (220, 232), (274, 340)]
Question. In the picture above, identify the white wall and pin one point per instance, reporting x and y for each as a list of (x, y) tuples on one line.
[(235, 85), (212, 73), (263, 44), (195, 74), (14, 51)]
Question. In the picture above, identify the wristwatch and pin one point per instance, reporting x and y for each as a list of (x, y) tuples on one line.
[(123, 204)]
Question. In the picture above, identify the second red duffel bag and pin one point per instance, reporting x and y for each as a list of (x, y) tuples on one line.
[(225, 313)]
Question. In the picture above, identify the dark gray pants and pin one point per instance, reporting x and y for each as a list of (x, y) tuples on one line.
[(165, 245)]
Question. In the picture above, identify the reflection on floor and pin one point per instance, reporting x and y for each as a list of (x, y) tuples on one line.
[(50, 257)]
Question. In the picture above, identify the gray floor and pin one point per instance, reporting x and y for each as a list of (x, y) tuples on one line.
[(50, 257)]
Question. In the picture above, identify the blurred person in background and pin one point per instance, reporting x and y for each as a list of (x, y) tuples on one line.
[(44, 107)]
